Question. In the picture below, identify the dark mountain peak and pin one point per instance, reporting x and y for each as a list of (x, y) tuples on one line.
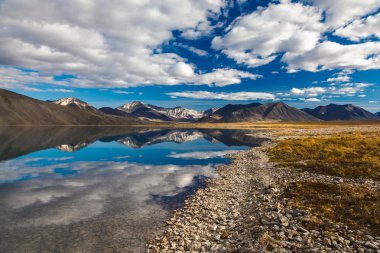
[(333, 112), (275, 111)]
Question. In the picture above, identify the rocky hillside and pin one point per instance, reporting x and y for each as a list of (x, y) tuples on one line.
[(18, 109), (333, 112)]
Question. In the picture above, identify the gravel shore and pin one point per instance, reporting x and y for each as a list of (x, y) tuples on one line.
[(244, 211)]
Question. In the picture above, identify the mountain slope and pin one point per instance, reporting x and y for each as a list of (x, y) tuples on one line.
[(258, 112), (377, 114), (340, 112), (112, 111), (17, 109)]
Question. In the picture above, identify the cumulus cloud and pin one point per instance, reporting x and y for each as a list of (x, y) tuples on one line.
[(299, 32), (257, 38), (312, 100), (224, 95), (331, 55), (17, 78), (310, 92), (345, 89), (340, 12), (361, 28), (339, 79), (103, 50)]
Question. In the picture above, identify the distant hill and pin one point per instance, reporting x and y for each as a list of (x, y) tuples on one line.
[(258, 112), (16, 109), (333, 112), (377, 114)]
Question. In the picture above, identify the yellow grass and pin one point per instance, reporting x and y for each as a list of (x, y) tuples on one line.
[(353, 155), (356, 206)]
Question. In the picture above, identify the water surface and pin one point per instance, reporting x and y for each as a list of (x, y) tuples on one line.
[(101, 189)]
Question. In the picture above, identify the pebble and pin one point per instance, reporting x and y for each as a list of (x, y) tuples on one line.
[(243, 211)]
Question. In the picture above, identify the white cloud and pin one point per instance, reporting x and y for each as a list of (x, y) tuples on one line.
[(299, 31), (224, 77), (192, 49), (224, 95), (312, 100), (16, 79), (332, 55), (121, 92), (361, 28), (339, 79), (103, 50), (340, 12), (257, 38), (310, 92), (345, 89)]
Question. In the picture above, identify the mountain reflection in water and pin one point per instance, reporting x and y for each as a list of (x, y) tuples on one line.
[(91, 189)]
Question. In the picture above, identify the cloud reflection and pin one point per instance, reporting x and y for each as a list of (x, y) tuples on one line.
[(63, 200)]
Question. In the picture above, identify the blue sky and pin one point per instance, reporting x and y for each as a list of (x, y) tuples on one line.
[(193, 53)]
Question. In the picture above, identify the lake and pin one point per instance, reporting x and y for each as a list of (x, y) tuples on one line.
[(101, 189)]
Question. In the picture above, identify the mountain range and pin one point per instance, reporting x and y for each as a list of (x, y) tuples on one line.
[(340, 112), (152, 112), (18, 109)]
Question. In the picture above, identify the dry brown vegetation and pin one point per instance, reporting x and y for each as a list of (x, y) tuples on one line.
[(356, 206), (352, 155)]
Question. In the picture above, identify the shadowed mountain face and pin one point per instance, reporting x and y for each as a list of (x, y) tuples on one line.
[(18, 141), (259, 112), (17, 109), (340, 112), (377, 114)]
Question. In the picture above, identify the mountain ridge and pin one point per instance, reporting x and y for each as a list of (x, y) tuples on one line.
[(17, 109), (276, 111), (333, 112)]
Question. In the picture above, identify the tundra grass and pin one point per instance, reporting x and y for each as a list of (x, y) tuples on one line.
[(351, 155), (339, 203)]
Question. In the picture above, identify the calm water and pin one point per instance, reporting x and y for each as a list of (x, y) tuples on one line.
[(101, 189)]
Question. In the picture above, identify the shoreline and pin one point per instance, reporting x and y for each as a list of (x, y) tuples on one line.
[(244, 211)]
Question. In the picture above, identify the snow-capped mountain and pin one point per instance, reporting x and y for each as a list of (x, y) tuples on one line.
[(179, 112), (131, 107), (153, 112), (75, 103)]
